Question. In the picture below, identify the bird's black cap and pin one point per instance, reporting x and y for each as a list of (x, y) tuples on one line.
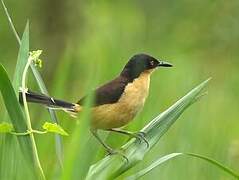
[(141, 62)]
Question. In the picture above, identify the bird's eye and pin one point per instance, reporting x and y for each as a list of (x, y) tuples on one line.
[(151, 63)]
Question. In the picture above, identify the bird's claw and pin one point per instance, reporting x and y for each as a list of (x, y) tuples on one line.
[(113, 152), (141, 137)]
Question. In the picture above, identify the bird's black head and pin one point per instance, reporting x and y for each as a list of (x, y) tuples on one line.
[(141, 63)]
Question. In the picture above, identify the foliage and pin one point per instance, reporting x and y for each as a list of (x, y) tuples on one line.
[(83, 42), (54, 128), (6, 127)]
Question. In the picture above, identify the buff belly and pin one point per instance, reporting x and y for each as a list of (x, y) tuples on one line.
[(126, 108)]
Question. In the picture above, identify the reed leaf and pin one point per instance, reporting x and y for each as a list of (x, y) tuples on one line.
[(21, 59), (10, 150), (40, 82), (17, 118), (168, 157), (114, 165)]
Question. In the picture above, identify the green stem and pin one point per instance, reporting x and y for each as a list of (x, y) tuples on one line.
[(28, 132), (39, 132), (35, 153)]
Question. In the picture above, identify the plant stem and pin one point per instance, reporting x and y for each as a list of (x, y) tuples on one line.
[(28, 132), (35, 153), (39, 132)]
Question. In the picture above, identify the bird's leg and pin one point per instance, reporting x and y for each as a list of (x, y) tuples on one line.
[(107, 148), (137, 135)]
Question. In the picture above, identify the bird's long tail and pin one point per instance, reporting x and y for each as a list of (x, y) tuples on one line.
[(50, 102)]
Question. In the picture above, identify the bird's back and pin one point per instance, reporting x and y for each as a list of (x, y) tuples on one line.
[(108, 93)]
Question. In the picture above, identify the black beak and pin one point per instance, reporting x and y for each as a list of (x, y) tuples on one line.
[(165, 64)]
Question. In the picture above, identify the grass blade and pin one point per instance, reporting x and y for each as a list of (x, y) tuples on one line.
[(17, 118), (21, 59), (168, 157), (114, 166), (27, 145), (11, 23), (42, 87), (10, 150), (155, 164)]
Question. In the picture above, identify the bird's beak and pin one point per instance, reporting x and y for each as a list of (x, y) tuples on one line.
[(165, 64)]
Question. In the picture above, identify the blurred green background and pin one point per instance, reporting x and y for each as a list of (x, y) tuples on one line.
[(86, 43)]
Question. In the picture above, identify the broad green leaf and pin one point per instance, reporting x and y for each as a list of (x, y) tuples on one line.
[(54, 128), (6, 127), (168, 157), (114, 165)]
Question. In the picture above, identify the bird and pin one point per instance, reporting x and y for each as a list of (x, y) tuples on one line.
[(115, 103)]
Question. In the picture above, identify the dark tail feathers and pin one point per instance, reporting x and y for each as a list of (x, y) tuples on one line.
[(49, 101)]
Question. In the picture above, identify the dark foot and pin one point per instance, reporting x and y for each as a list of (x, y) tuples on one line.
[(141, 137), (113, 152)]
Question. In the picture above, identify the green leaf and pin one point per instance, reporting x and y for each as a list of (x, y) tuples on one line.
[(54, 128), (168, 157), (10, 22), (155, 164), (21, 59), (6, 127), (21, 63), (12, 151), (114, 165), (23, 54), (17, 118)]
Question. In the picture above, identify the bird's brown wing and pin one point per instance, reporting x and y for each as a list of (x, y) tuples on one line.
[(108, 93)]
